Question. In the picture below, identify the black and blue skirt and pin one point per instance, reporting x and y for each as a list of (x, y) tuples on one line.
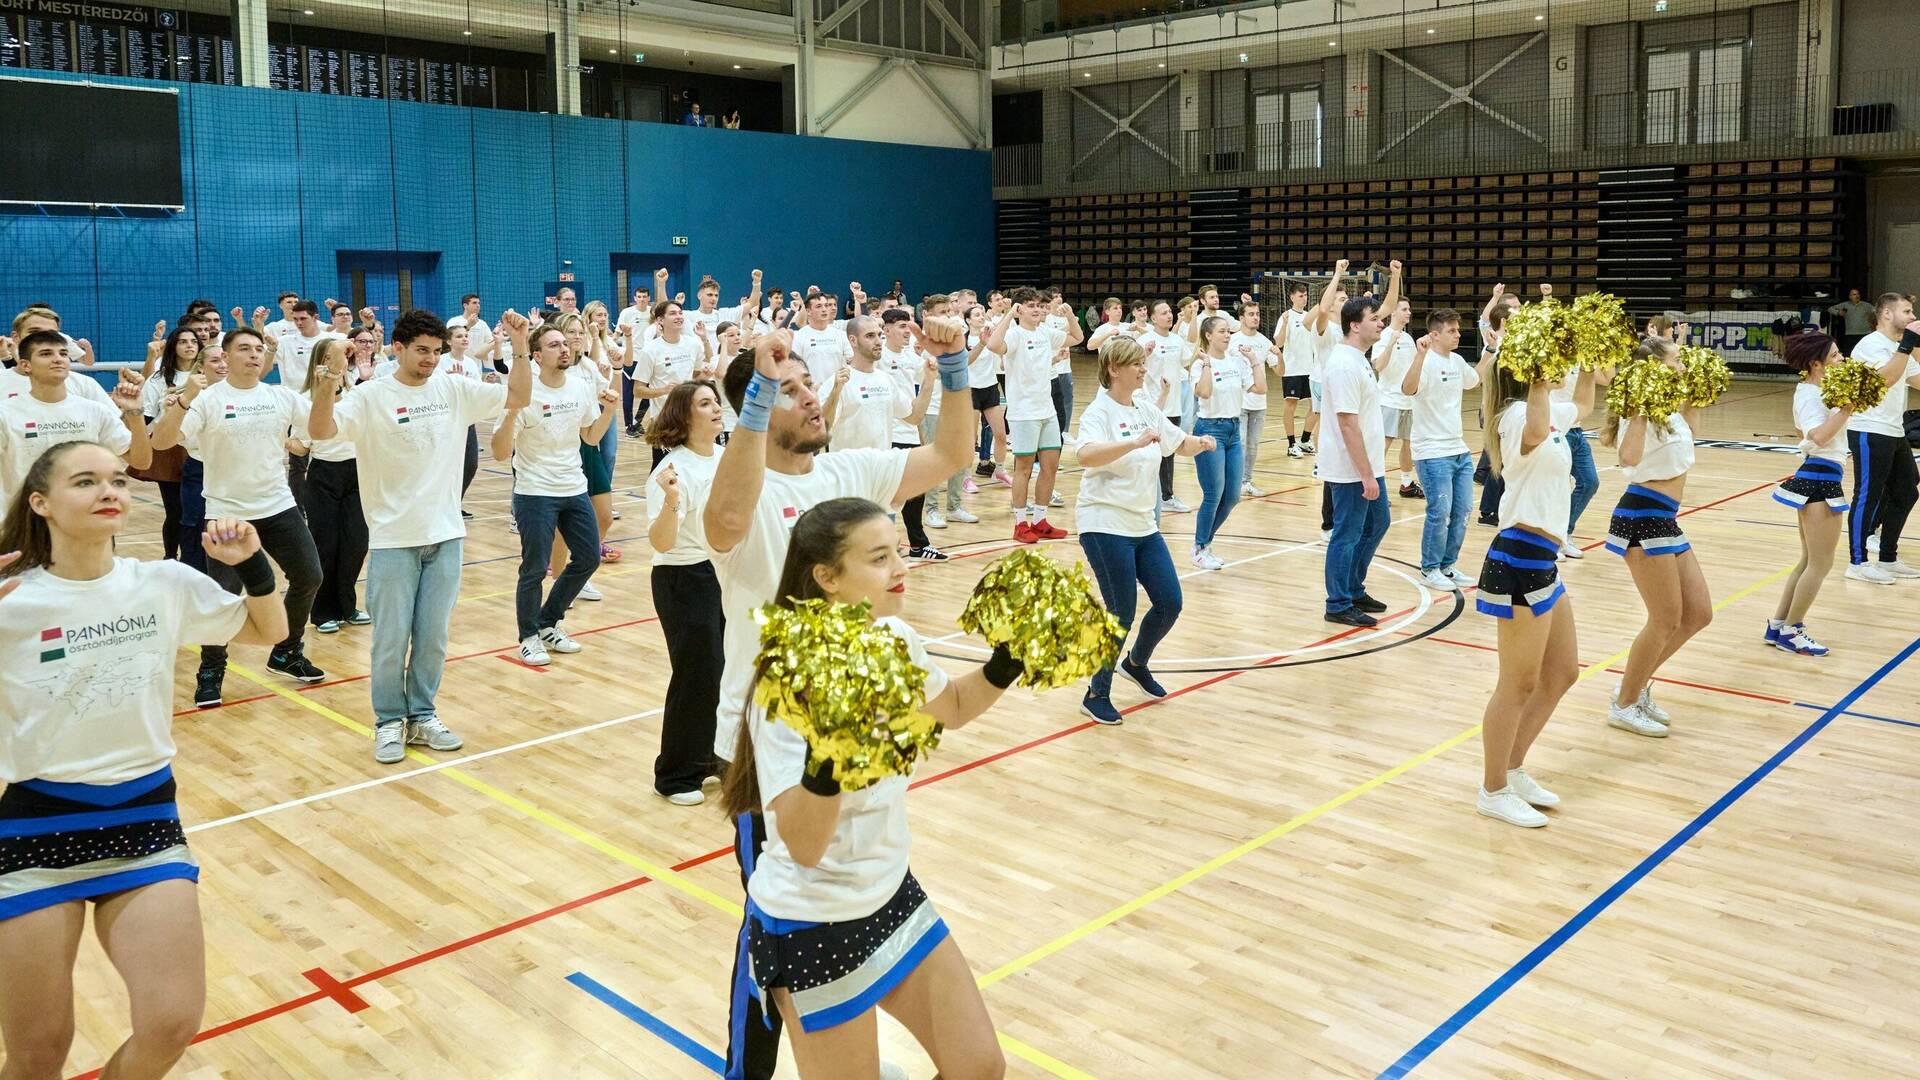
[(1520, 569), (836, 971), (1819, 480), (1647, 520), (65, 842)]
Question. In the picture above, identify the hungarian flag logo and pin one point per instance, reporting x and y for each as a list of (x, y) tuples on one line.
[(230, 411), (31, 431), (50, 644), (400, 414)]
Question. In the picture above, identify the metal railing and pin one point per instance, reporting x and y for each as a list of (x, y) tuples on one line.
[(1858, 115)]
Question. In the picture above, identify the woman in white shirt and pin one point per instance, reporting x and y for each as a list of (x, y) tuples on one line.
[(334, 513), (983, 380), (1123, 438), (1167, 354), (1816, 491), (165, 374), (836, 922), (686, 594), (1655, 460), (1520, 586), (1221, 382), (88, 814)]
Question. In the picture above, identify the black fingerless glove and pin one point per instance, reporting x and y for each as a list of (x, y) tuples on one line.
[(1002, 669), (256, 575), (1909, 341), (821, 783)]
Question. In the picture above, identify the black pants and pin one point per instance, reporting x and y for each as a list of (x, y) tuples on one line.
[(297, 479), (193, 513), (170, 527), (285, 539), (1166, 470), (1491, 491), (626, 402), (1326, 506), (339, 529), (688, 600), (1884, 482), (472, 464), (913, 511), (753, 1036)]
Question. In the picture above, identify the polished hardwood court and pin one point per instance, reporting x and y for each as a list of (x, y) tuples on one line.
[(1276, 872)]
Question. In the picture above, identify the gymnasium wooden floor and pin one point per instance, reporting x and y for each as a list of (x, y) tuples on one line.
[(1277, 872)]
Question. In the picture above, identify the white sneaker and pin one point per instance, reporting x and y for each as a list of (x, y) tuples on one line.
[(934, 519), (1251, 491), (1506, 806), (1056, 501), (1633, 718), (1529, 789), (1647, 705), (1174, 506), (1307, 445), (557, 640), (390, 742), (588, 592), (1899, 569), (1435, 579), (533, 652), (962, 515), (1205, 559), (1459, 578), (1873, 544), (1869, 572), (513, 526), (687, 798), (432, 734), (1294, 450), (1568, 551), (1326, 534)]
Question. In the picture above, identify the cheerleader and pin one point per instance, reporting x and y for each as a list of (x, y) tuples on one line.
[(1816, 491), (1654, 459), (88, 814), (1520, 585), (686, 594), (1123, 438), (836, 922)]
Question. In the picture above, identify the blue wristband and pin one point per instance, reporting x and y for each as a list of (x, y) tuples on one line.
[(756, 407), (953, 371)]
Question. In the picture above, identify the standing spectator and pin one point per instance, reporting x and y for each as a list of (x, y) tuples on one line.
[(1857, 319), (693, 117)]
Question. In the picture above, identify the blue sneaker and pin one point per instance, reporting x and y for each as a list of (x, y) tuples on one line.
[(1774, 634), (1100, 710), (1142, 678), (1795, 639)]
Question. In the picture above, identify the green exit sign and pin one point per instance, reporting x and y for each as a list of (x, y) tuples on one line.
[(679, 241)]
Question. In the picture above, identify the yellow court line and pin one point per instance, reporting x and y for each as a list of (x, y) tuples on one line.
[(1085, 929), (1035, 1057)]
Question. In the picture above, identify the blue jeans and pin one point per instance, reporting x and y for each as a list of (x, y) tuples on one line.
[(1063, 398), (1220, 476), (1358, 526), (1449, 484), (1123, 564), (410, 594), (610, 447), (1586, 478), (1189, 407), (538, 516)]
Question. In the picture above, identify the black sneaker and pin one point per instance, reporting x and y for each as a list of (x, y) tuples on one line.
[(295, 665), (468, 514), (1142, 678), (1369, 605), (983, 469), (1353, 616), (1412, 491), (1490, 519), (207, 687), (928, 554), (633, 431)]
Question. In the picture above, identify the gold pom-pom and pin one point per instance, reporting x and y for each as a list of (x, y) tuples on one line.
[(1047, 615), (1647, 387), (1852, 384), (1537, 343), (850, 687), (1602, 333), (1707, 375)]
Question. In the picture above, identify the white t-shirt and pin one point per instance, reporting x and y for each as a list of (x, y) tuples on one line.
[(283, 327), (241, 436), (1263, 352), (1667, 453), (696, 479), (294, 355), (412, 443), (86, 668), (1396, 369), (79, 384), (711, 319), (465, 366), (869, 404), (153, 392), (1166, 369), (1030, 370), (30, 427), (1302, 352), (1062, 355), (908, 368), (335, 449), (1436, 428), (631, 316), (1348, 386), (824, 352), (984, 371), (1885, 418), (749, 571), (1231, 377), (546, 438), (479, 334), (663, 363), (1119, 498), (1323, 345), (1809, 412), (1539, 485), (866, 860)]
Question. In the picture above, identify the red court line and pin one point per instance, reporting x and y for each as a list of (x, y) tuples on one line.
[(1769, 698), (336, 990), (540, 916)]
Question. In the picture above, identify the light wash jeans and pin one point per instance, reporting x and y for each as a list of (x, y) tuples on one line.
[(1253, 421), (410, 594), (1218, 470), (956, 483), (1586, 478), (1449, 484)]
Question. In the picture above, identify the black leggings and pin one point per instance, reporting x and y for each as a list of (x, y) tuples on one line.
[(912, 512), (285, 539), (472, 463), (170, 528), (339, 536)]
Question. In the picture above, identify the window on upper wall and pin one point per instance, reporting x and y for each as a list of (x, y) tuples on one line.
[(1286, 128), (1696, 93)]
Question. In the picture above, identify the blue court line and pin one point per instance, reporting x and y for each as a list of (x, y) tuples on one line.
[(1466, 1014), (645, 1019), (1866, 716)]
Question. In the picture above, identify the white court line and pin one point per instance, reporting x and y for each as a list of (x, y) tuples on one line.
[(423, 770)]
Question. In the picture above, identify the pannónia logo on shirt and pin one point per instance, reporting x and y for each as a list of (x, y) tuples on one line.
[(406, 414), (57, 430), (56, 642)]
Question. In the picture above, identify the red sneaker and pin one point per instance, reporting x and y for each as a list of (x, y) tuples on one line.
[(1024, 533), (1047, 530)]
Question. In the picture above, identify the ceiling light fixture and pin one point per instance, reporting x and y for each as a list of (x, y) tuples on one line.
[(466, 33), (1429, 29), (1243, 58)]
